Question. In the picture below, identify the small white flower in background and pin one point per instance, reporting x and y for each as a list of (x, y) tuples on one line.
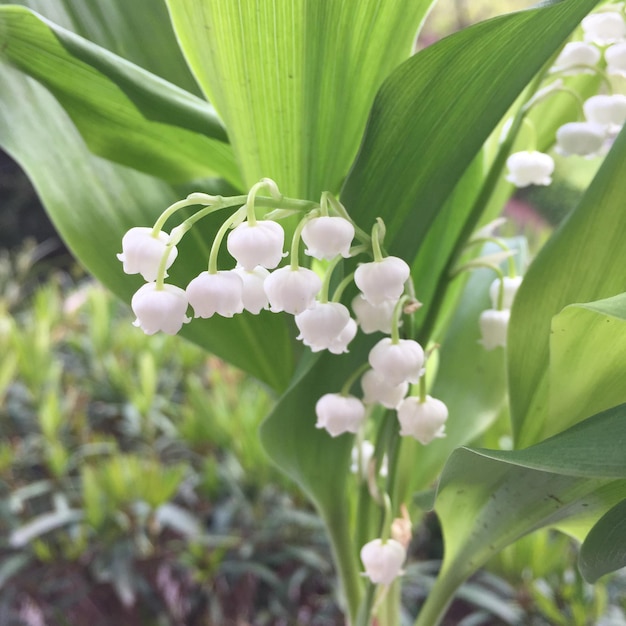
[(604, 28), (327, 237), (382, 280), (383, 561), (493, 328), (511, 285), (219, 293), (580, 138), (367, 452), (292, 291), (339, 345), (261, 244), (574, 55), (373, 317), (530, 168), (339, 414), (160, 310), (376, 390), (142, 253), (607, 111), (397, 363), (253, 296), (320, 325), (616, 59), (424, 421)]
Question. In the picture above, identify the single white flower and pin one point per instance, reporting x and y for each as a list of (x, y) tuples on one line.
[(608, 111), (253, 295), (326, 237), (261, 244), (142, 253), (373, 317), (530, 168), (367, 452), (160, 309), (219, 293), (511, 285), (493, 328), (291, 290), (376, 390), (382, 280), (616, 59), (424, 421), (580, 138), (574, 55), (339, 414), (339, 345), (320, 325), (604, 28), (397, 363), (383, 560)]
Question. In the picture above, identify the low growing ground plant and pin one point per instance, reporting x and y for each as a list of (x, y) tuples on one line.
[(328, 224)]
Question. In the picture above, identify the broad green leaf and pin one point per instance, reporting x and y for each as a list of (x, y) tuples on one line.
[(93, 202), (293, 80), (577, 265), (587, 364), (487, 499), (432, 115), (604, 549), (124, 113)]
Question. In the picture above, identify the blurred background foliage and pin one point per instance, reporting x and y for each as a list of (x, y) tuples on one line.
[(133, 488)]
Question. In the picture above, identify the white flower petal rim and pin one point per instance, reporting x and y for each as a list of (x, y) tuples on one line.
[(383, 561), (219, 293), (292, 291), (397, 363), (339, 414), (327, 237), (142, 253), (424, 421), (530, 168), (382, 280), (494, 326), (261, 244), (160, 309)]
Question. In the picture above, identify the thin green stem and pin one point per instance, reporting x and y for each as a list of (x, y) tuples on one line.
[(341, 287), (422, 384), (376, 250), (181, 204), (323, 294), (345, 389), (219, 236), (295, 243), (361, 235), (395, 320), (387, 519), (502, 245)]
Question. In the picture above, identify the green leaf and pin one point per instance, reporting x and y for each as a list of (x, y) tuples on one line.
[(293, 80), (604, 549), (93, 202), (433, 114), (124, 113), (577, 265)]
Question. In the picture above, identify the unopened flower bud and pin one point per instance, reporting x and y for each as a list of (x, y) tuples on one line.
[(604, 28), (376, 390), (261, 244), (493, 328), (530, 168), (373, 317), (339, 414), (510, 286), (580, 138), (326, 237), (292, 291), (383, 560), (160, 309), (219, 293), (424, 421), (397, 363), (382, 280), (142, 253)]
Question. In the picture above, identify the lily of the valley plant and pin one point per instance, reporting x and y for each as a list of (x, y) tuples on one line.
[(287, 185)]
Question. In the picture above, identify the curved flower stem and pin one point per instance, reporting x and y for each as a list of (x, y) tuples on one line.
[(219, 236), (345, 389), (347, 280), (395, 320), (376, 237), (361, 235), (294, 251), (501, 244), (323, 294)]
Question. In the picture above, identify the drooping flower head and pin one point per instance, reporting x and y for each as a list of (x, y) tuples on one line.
[(383, 560), (339, 414), (606, 110), (580, 138), (373, 317), (397, 363), (575, 56), (424, 421), (376, 390), (292, 290), (219, 293), (258, 244), (510, 285), (142, 253), (530, 168), (382, 280), (494, 326), (322, 324), (326, 237), (604, 28), (253, 295), (160, 309)]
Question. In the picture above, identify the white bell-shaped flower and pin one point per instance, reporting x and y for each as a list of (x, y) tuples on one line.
[(383, 560), (339, 414), (574, 56), (366, 453), (142, 253), (373, 317), (510, 286), (320, 325), (292, 291), (376, 390), (494, 325), (424, 421), (615, 57), (219, 293), (160, 309), (382, 280), (604, 28), (253, 296), (339, 345), (261, 244), (530, 168), (326, 237), (397, 363), (608, 111), (580, 138)]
